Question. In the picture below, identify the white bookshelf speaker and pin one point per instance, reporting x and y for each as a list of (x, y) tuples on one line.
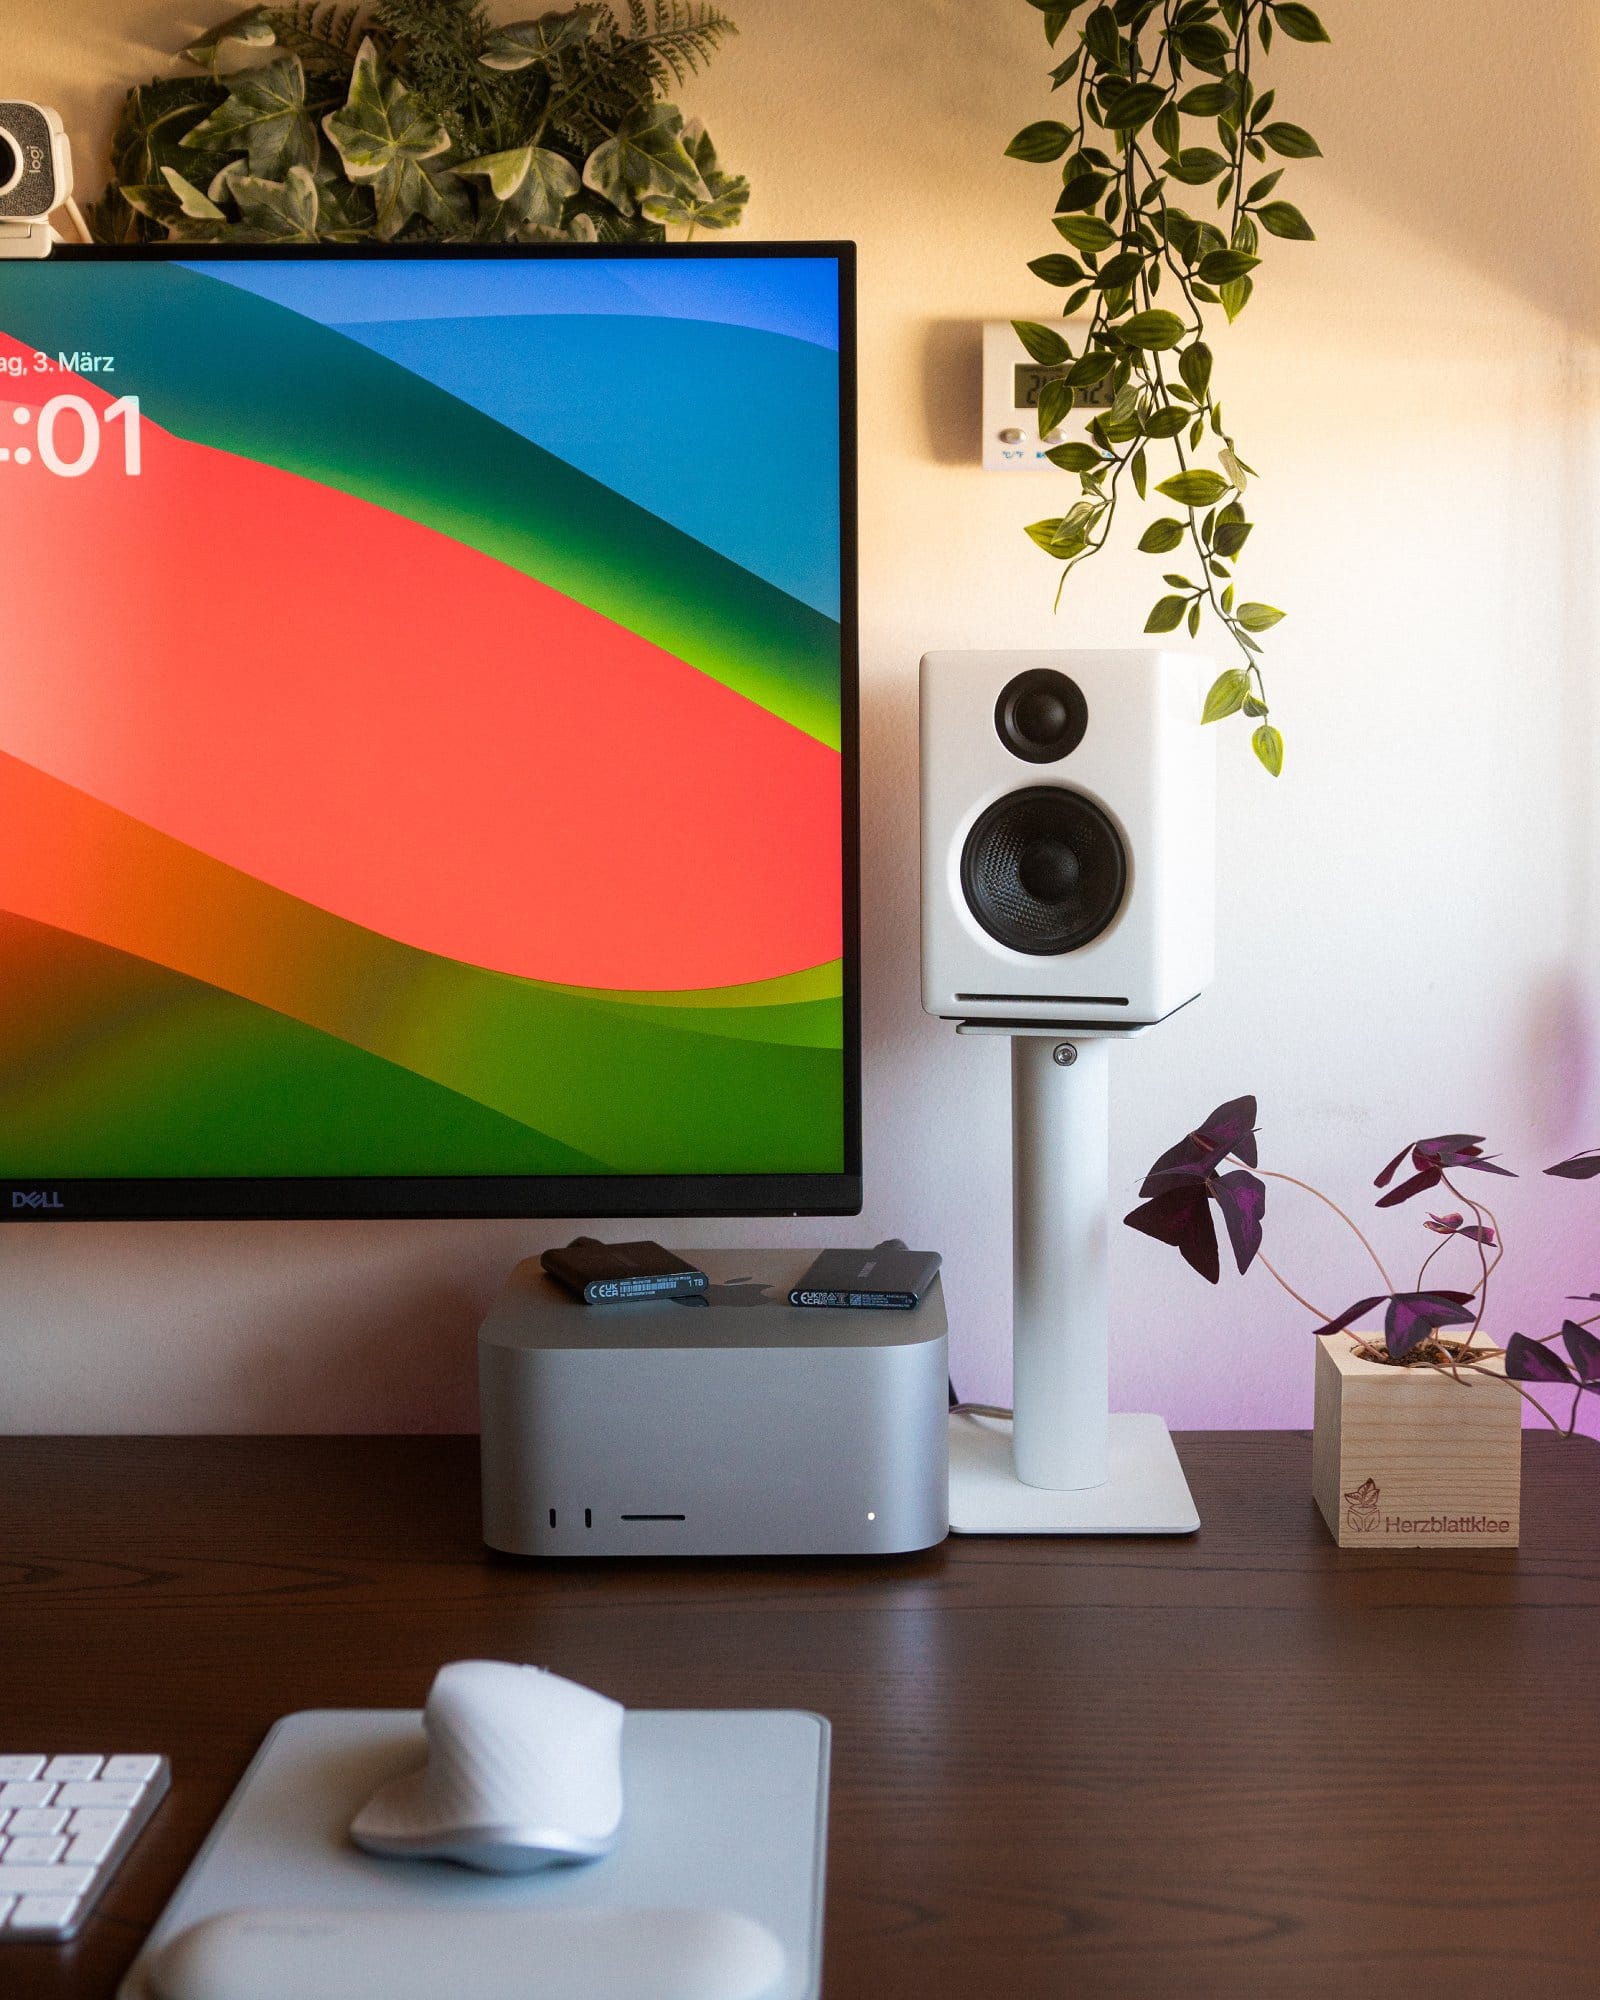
[(1068, 836)]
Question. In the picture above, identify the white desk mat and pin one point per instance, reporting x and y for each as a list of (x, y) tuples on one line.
[(725, 1809)]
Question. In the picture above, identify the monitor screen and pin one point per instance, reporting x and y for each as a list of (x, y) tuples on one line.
[(427, 732)]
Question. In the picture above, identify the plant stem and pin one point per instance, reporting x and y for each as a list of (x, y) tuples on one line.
[(1269, 1174), (1273, 1272)]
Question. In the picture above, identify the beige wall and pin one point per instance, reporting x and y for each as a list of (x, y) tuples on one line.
[(1408, 918)]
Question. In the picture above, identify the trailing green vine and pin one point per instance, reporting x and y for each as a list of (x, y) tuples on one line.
[(1122, 152)]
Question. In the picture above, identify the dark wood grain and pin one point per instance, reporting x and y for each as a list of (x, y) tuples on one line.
[(1243, 1764)]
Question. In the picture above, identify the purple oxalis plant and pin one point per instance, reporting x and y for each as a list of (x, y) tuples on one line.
[(1215, 1170)]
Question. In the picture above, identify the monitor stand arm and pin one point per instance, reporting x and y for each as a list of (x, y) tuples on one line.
[(1065, 1465)]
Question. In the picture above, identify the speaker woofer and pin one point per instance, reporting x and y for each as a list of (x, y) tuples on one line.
[(1041, 715), (1044, 870)]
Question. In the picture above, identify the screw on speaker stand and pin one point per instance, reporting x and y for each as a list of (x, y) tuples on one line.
[(1065, 1465)]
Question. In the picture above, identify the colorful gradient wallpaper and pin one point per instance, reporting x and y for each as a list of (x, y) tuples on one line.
[(420, 715)]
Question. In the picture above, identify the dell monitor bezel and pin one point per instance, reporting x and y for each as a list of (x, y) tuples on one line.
[(414, 1197)]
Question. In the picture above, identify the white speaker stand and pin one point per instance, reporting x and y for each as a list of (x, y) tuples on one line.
[(1064, 1465)]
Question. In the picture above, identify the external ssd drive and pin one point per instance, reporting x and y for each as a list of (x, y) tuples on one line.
[(889, 1277), (606, 1273)]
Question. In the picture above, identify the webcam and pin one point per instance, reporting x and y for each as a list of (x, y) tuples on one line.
[(35, 178)]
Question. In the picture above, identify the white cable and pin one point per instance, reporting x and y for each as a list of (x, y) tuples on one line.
[(78, 222)]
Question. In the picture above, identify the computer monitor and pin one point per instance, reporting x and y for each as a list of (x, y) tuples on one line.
[(427, 732)]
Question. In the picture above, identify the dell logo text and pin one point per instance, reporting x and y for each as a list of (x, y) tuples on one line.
[(35, 1198)]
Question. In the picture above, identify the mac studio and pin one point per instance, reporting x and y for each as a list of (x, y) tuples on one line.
[(736, 1253)]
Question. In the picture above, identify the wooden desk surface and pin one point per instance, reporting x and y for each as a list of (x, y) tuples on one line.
[(1244, 1764)]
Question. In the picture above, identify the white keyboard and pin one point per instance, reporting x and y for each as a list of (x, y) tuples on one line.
[(65, 1824)]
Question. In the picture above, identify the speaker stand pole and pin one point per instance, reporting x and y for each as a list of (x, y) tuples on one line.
[(1065, 1465)]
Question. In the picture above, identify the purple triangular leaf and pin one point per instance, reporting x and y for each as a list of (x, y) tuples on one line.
[(1414, 1317), (1182, 1217), (1585, 1297), (1243, 1201), (1581, 1167), (1449, 1149), (1389, 1171), (1350, 1315), (1429, 1177), (1229, 1129), (1233, 1125), (1584, 1348), (1531, 1361), (1483, 1167)]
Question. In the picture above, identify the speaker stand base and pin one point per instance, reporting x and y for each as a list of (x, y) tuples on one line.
[(1145, 1494)]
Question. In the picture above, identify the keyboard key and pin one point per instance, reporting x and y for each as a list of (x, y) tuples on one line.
[(97, 1819), (57, 1881), (36, 1847), (131, 1770), (20, 1767), (65, 1770), (42, 1914), (88, 1850), (24, 1792), (98, 1792), (39, 1819)]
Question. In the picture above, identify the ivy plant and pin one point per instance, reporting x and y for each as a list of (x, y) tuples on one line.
[(422, 119), (1152, 83)]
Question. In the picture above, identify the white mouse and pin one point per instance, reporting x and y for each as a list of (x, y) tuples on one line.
[(524, 1770), (444, 1954)]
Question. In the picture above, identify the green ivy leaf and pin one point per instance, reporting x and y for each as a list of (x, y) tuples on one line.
[(1154, 330), (1161, 537), (1086, 232), (1167, 615), (1075, 457), (286, 211), (1259, 617), (1082, 192), (1194, 619), (1195, 488), (1139, 467), (1294, 142), (1055, 406), (646, 156), (1044, 532), (1226, 267), (1129, 108), (1194, 365), (1165, 423), (1101, 39), (1282, 218), (1268, 746), (192, 203), (1046, 140), (1196, 165), (1235, 297), (1206, 100), (1046, 346), (1299, 23), (522, 44), (533, 183), (1121, 270), (1057, 269), (387, 138), (725, 196), (1226, 695), (253, 29), (263, 116), (1166, 129), (1091, 368)]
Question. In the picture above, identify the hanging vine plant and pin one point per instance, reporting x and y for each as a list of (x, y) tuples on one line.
[(1144, 73), (423, 119)]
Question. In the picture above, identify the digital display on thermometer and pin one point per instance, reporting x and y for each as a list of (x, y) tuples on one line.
[(65, 435)]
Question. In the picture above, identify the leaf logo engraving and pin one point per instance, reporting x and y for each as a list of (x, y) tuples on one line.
[(1361, 1506)]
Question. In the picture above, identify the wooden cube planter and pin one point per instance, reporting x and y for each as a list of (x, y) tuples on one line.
[(1407, 1458)]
